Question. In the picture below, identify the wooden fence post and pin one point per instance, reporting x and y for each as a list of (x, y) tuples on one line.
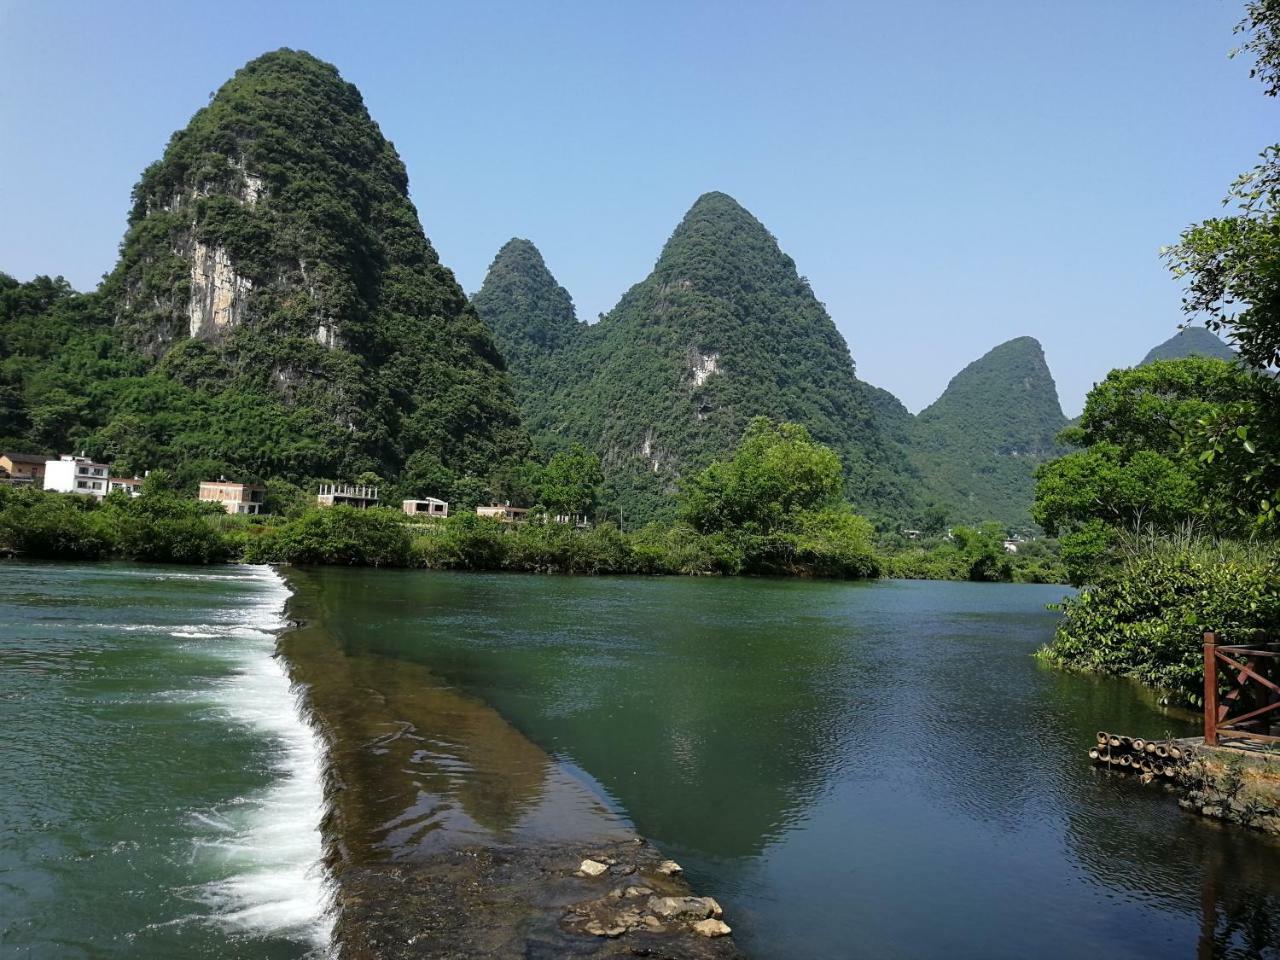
[(1210, 689)]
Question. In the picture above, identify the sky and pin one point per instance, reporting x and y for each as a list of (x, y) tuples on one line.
[(947, 174)]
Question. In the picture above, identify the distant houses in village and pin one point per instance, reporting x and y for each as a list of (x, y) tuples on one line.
[(350, 495), (502, 511), (87, 477), (235, 498), (506, 513), (426, 507), (21, 468)]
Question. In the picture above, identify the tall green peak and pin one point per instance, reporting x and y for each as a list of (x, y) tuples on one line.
[(273, 254), (722, 330), (530, 314), (979, 443), (533, 323), (1190, 342)]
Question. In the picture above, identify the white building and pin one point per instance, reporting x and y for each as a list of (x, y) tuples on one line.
[(130, 485), (81, 475)]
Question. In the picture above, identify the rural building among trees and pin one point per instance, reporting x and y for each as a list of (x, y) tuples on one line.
[(70, 474), (503, 511), (21, 467), (131, 485), (427, 507), (352, 495), (234, 497)]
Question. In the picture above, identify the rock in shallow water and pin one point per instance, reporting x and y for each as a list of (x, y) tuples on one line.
[(712, 928), (671, 908), (592, 868)]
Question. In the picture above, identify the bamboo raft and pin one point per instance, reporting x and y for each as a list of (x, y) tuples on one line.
[(1150, 758)]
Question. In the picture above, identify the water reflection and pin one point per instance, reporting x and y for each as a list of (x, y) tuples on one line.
[(856, 770), (418, 766), (722, 748)]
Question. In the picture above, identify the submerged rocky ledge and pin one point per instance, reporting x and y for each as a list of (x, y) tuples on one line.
[(450, 834), (527, 901)]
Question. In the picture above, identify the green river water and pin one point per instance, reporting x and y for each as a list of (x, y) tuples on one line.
[(853, 770)]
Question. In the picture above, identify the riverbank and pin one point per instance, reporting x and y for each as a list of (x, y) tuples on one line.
[(449, 834), (160, 526)]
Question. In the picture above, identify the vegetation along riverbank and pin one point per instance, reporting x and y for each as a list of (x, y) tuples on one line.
[(1168, 505), (774, 507)]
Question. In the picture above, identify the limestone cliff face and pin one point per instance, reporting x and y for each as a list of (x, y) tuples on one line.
[(219, 295), (276, 232)]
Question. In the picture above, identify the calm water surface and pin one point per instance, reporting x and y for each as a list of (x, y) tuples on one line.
[(855, 771), (159, 795), (877, 770)]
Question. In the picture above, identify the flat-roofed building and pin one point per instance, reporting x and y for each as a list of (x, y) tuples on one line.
[(131, 485), (234, 497), (80, 475), (352, 495), (503, 511), (426, 507)]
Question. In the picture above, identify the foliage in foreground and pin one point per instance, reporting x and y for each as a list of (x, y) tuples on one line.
[(1144, 617)]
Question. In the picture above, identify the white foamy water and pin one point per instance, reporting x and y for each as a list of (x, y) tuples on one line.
[(266, 847)]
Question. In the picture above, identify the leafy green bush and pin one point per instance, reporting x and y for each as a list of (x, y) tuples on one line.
[(1144, 618), (50, 527), (464, 541), (339, 535)]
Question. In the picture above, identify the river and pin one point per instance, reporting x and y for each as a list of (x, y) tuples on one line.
[(854, 770)]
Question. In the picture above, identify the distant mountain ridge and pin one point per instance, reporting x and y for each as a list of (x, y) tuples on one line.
[(978, 444), (722, 329), (1190, 342)]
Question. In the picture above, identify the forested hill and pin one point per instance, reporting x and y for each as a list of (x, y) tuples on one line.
[(1190, 342), (978, 444), (276, 311), (722, 330), (533, 323)]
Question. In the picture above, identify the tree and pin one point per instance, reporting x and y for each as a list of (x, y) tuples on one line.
[(571, 482), (1142, 460), (776, 507), (776, 472), (982, 552), (1231, 266)]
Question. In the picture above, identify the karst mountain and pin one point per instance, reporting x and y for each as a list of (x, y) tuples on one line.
[(723, 329), (278, 309)]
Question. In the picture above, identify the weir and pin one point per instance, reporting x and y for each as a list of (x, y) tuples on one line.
[(450, 833)]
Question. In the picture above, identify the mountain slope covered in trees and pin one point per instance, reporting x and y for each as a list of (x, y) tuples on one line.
[(1190, 342), (276, 310), (977, 445), (722, 330), (533, 323)]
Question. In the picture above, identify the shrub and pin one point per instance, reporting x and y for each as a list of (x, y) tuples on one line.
[(464, 541), (1144, 618), (50, 527), (338, 535)]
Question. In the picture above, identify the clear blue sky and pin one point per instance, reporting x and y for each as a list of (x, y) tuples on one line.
[(947, 174)]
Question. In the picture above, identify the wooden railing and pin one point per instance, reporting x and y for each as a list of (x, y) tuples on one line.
[(1253, 694)]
